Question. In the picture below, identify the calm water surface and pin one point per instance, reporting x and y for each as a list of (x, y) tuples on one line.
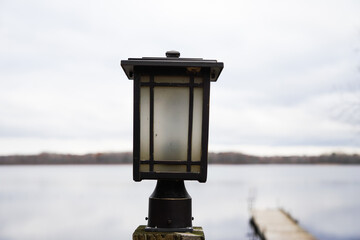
[(102, 202)]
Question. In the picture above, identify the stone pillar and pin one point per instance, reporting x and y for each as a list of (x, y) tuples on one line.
[(141, 234)]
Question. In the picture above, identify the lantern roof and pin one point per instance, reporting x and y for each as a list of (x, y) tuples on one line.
[(172, 59)]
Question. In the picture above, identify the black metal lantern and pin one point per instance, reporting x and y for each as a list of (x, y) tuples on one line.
[(171, 122)]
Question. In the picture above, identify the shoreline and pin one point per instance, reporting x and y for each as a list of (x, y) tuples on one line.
[(224, 158)]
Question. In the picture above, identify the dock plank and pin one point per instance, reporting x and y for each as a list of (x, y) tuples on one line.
[(275, 224)]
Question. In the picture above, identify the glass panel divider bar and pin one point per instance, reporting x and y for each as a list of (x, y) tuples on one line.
[(152, 84), (191, 107), (169, 162), (151, 148)]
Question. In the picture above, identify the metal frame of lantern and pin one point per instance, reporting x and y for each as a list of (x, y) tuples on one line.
[(199, 73), (171, 95)]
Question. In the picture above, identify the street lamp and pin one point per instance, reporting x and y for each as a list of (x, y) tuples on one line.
[(171, 122)]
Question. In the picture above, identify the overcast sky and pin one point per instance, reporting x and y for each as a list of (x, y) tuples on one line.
[(291, 82)]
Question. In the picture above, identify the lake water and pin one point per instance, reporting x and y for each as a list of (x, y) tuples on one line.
[(102, 202)]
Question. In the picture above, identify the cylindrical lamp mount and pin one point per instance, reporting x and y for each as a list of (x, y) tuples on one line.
[(170, 207)]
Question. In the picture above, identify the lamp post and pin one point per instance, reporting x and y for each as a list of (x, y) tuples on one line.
[(171, 122)]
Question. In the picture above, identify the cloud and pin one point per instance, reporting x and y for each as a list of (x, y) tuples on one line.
[(288, 65)]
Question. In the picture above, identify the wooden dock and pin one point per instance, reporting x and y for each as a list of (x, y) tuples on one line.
[(276, 224)]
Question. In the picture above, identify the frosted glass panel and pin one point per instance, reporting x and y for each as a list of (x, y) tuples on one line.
[(144, 123), (144, 168), (195, 169), (171, 116), (198, 80), (169, 168), (145, 79), (172, 79), (197, 125)]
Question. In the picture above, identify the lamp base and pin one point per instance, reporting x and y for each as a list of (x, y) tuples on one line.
[(170, 208)]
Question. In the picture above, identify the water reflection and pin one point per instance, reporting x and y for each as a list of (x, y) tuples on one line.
[(102, 202)]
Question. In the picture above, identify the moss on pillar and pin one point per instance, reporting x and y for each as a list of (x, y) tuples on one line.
[(141, 234)]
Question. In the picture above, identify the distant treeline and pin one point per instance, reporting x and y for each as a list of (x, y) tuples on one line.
[(239, 158), (216, 158), (52, 158)]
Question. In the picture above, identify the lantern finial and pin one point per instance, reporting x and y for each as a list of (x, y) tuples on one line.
[(173, 53)]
